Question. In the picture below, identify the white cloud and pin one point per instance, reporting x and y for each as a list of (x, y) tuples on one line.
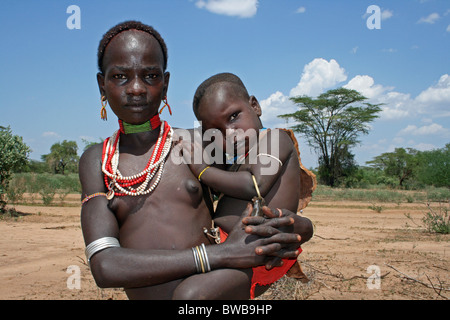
[(432, 18), (431, 129), (448, 28), (436, 98), (318, 75), (433, 101), (301, 10), (440, 93), (273, 106), (386, 14), (395, 103), (50, 134), (366, 86), (424, 146), (420, 111), (237, 8)]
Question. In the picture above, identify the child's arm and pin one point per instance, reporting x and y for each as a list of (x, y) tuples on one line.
[(266, 170)]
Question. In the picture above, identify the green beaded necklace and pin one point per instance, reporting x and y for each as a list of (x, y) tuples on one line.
[(149, 125)]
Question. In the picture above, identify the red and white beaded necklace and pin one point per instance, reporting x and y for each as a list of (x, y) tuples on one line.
[(137, 184)]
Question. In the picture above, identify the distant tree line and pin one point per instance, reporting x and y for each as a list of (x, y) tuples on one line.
[(332, 124), (410, 167)]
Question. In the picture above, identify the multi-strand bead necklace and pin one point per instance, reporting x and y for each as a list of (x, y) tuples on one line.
[(137, 184)]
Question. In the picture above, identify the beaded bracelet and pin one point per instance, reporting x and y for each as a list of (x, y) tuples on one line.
[(92, 196), (203, 171)]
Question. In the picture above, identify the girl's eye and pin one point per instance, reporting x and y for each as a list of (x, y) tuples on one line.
[(119, 76)]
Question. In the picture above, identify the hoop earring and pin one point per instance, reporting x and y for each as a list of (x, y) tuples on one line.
[(104, 102), (166, 104)]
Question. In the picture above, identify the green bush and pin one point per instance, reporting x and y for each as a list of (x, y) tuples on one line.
[(45, 185), (438, 194), (437, 221)]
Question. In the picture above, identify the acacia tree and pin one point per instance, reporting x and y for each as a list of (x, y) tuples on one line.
[(331, 124), (62, 155), (434, 167), (401, 164), (13, 155)]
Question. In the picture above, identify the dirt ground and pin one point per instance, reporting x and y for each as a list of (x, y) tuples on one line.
[(42, 256)]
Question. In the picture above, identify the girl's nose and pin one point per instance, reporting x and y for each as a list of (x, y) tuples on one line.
[(136, 87)]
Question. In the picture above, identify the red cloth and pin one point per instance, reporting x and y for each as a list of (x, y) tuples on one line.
[(262, 276)]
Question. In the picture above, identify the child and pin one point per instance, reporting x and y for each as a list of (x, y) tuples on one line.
[(131, 191), (223, 103)]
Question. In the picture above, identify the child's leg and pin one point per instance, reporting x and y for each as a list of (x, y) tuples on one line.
[(223, 284)]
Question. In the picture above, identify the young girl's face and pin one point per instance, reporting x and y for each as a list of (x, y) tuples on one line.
[(133, 81), (234, 116)]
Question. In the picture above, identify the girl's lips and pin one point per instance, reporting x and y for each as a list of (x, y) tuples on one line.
[(136, 107)]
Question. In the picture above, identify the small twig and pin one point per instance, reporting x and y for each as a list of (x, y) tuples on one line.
[(82, 261), (54, 228), (316, 235), (441, 288), (341, 276), (365, 278)]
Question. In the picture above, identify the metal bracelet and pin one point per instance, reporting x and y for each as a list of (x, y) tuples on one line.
[(99, 245), (201, 260), (205, 256)]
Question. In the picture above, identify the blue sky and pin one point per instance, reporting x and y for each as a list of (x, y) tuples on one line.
[(280, 48)]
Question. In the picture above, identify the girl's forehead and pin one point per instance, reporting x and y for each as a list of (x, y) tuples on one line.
[(133, 43), (132, 38)]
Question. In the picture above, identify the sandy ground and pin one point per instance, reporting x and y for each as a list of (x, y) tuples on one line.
[(42, 256)]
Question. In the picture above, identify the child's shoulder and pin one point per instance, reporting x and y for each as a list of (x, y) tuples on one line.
[(277, 135)]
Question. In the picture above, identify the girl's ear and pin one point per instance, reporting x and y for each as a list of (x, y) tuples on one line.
[(101, 83), (166, 83), (255, 105)]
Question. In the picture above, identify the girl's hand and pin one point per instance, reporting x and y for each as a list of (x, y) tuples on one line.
[(278, 227)]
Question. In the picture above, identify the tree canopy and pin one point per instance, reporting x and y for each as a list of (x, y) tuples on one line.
[(62, 155), (332, 124), (13, 155), (402, 163)]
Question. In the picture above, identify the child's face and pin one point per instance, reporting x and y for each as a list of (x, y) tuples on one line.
[(234, 116), (134, 81)]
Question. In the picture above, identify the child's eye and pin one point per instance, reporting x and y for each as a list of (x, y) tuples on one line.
[(234, 116)]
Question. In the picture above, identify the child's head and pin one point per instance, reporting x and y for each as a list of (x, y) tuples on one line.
[(222, 102), (132, 59)]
